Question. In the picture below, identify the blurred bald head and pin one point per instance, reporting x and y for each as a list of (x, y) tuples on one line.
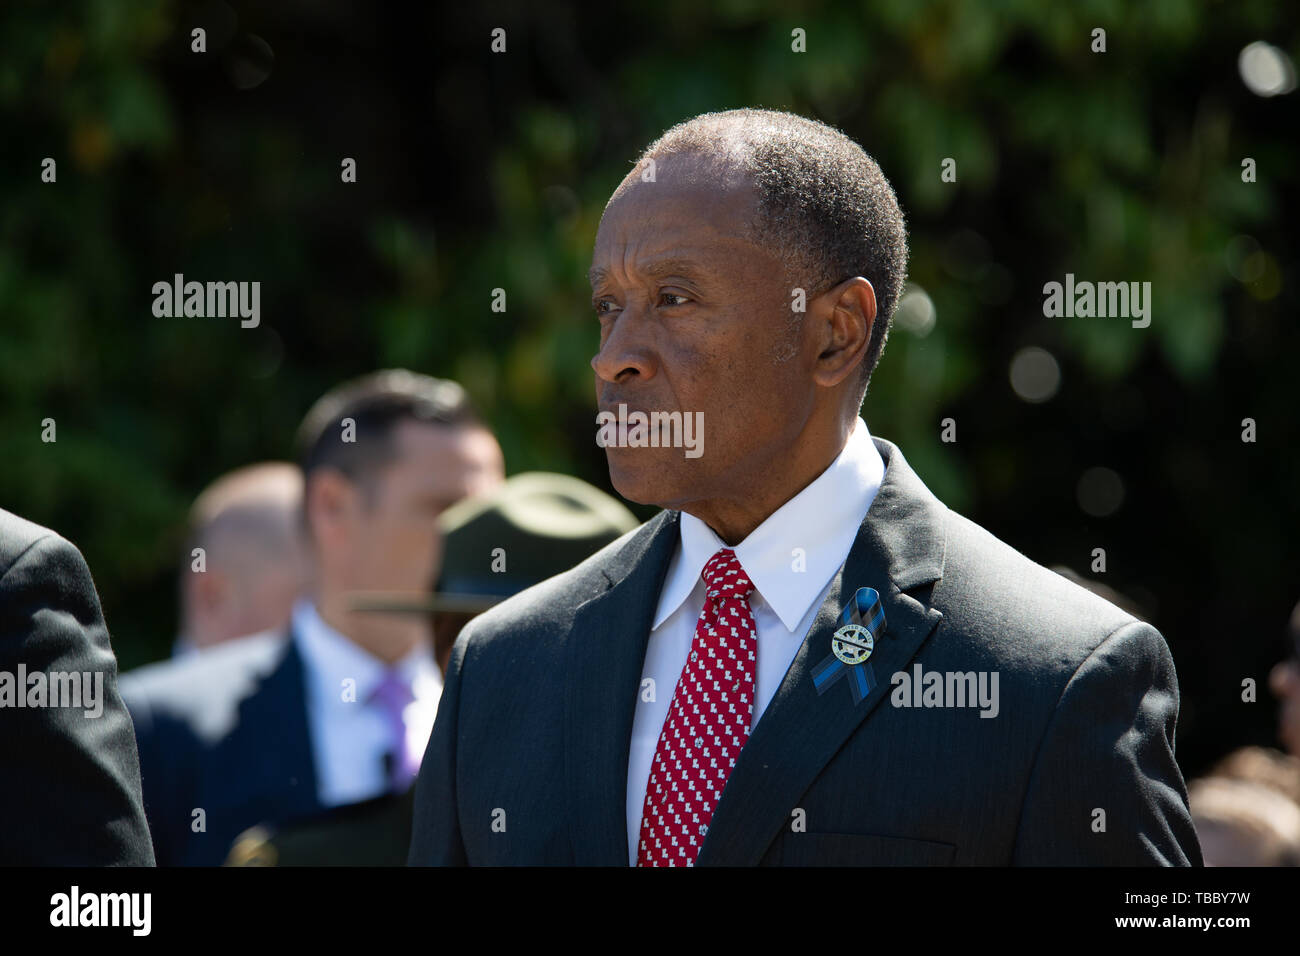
[(247, 525)]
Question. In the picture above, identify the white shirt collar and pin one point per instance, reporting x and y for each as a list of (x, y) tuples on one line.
[(821, 521), (333, 658)]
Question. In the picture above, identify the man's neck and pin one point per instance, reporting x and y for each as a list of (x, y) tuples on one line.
[(388, 637), (735, 517)]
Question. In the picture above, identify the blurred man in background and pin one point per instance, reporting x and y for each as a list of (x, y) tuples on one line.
[(1247, 809), (1284, 681), (1244, 823), (244, 564), (532, 527), (265, 733)]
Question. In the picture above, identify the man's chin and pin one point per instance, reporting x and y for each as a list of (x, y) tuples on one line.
[(642, 480)]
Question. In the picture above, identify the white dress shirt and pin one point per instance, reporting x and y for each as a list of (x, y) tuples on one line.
[(792, 558), (350, 737)]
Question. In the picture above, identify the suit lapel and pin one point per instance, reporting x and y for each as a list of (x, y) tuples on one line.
[(605, 658), (899, 547), (274, 733)]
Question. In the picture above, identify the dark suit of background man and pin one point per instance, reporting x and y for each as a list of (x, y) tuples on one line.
[(71, 782), (269, 731), (553, 746)]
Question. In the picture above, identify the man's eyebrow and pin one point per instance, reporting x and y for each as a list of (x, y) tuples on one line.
[(656, 269)]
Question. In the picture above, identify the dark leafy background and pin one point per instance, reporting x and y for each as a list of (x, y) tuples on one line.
[(479, 171)]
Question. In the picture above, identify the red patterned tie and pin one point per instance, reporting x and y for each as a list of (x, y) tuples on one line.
[(707, 723)]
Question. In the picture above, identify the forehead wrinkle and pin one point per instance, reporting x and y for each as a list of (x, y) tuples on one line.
[(656, 220), (672, 266)]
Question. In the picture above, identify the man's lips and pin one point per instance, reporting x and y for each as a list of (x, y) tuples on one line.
[(623, 422), (628, 408)]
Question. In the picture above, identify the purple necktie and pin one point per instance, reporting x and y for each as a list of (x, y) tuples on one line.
[(392, 695)]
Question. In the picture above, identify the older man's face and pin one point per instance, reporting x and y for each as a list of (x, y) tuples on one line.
[(696, 318)]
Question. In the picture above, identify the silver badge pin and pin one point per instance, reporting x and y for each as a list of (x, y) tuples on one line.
[(852, 644)]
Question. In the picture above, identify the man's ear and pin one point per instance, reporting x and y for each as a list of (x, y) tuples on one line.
[(330, 498), (845, 316), (209, 592)]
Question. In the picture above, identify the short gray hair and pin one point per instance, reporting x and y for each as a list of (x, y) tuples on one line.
[(823, 204)]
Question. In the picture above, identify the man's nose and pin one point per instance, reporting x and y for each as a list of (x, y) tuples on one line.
[(625, 353)]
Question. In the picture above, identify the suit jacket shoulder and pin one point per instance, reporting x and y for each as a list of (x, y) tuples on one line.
[(1087, 700), (79, 802), (1022, 613), (202, 691), (538, 618)]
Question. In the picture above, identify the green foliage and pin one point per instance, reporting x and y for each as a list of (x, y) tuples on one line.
[(479, 172)]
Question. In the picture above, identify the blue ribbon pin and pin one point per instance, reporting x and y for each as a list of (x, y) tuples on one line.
[(861, 621)]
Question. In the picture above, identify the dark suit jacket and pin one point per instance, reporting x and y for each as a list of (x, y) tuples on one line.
[(533, 728), (224, 732), (71, 792)]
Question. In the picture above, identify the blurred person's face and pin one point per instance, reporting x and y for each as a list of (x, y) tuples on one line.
[(267, 595), (1224, 845), (1284, 681), (393, 541), (231, 603), (696, 318), (247, 586), (381, 534)]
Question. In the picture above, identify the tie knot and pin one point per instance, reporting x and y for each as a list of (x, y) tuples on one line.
[(725, 577), (392, 693)]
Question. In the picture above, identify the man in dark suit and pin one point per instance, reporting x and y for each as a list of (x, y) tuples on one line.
[(264, 731), (807, 658), (71, 795)]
